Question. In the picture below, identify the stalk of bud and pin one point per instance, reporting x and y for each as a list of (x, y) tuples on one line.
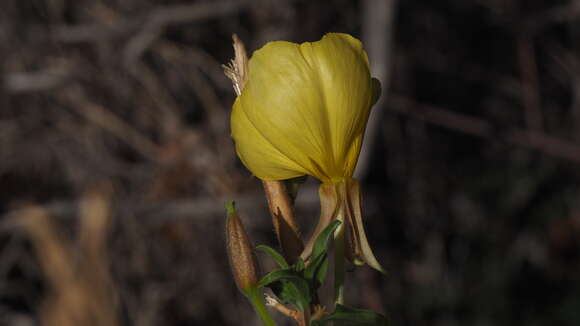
[(244, 264)]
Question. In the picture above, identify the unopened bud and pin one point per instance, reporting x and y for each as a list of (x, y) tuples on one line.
[(240, 252)]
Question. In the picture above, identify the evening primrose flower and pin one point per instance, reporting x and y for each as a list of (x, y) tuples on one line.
[(302, 109)]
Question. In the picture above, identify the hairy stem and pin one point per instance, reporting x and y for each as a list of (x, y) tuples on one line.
[(255, 297)]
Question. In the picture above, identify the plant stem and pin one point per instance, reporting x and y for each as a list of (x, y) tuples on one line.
[(339, 248), (257, 300)]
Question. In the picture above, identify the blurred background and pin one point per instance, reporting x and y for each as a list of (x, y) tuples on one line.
[(116, 160)]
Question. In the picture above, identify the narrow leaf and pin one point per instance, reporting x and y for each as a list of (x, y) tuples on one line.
[(321, 244), (320, 274), (277, 275), (291, 292), (288, 286), (299, 266), (353, 316), (314, 265), (317, 267), (278, 258)]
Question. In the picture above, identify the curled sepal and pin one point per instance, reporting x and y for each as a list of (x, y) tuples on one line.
[(342, 200), (328, 209), (240, 252), (359, 247)]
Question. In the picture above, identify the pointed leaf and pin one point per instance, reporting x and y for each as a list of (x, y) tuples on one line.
[(317, 267), (320, 273), (299, 266), (291, 292), (278, 258), (277, 275), (288, 286), (314, 265), (353, 316), (321, 244)]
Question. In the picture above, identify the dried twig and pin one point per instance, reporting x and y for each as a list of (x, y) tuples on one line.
[(109, 122), (529, 81), (548, 145), (156, 19), (22, 82), (200, 209)]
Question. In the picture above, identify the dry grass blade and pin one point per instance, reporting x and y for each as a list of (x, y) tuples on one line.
[(80, 286)]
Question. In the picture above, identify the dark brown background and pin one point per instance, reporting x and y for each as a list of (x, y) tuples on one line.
[(471, 183)]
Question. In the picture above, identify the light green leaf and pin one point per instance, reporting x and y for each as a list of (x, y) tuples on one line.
[(278, 258)]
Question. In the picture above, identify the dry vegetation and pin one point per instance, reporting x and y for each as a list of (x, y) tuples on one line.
[(115, 159)]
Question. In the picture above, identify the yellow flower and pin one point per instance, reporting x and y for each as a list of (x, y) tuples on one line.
[(304, 108)]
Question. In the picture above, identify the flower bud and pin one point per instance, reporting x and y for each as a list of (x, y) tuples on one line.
[(240, 252)]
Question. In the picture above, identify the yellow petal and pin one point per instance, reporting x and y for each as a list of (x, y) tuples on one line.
[(257, 153), (343, 69), (304, 109)]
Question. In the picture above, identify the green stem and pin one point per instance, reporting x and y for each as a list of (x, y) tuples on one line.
[(306, 315), (257, 299), (339, 248)]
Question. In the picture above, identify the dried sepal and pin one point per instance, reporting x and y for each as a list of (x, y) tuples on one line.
[(344, 198), (328, 210), (237, 69), (283, 219), (361, 251)]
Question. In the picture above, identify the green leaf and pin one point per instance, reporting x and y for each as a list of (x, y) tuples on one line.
[(278, 258), (288, 286), (299, 266), (313, 266), (279, 274), (352, 316), (291, 292), (316, 271), (321, 244), (317, 267)]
